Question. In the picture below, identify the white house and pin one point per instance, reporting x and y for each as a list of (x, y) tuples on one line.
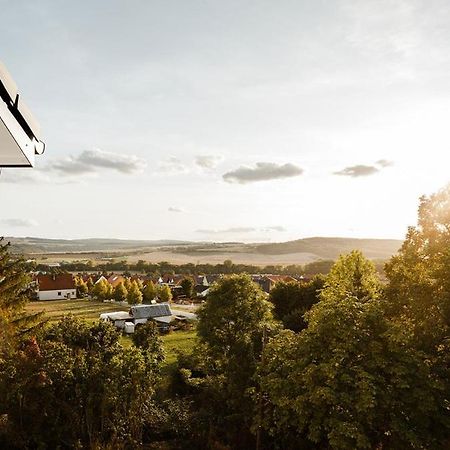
[(56, 287)]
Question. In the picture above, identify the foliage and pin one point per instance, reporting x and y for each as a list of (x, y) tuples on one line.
[(352, 276), (120, 292), (15, 293), (187, 283), (100, 289), (146, 337), (82, 287), (345, 381), (149, 292), (76, 386), (134, 295), (293, 299), (231, 327), (165, 294)]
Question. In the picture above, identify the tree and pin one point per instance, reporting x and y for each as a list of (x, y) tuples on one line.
[(127, 283), (165, 294), (352, 276), (100, 289), (419, 276), (149, 292), (90, 285), (351, 379), (15, 293), (77, 385), (82, 287), (120, 292), (187, 283), (293, 299), (134, 295), (231, 327), (146, 337)]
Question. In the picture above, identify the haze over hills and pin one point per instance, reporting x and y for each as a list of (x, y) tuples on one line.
[(178, 251)]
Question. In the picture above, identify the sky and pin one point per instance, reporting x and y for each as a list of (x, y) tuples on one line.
[(228, 120)]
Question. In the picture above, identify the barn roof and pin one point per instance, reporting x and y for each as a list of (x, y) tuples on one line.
[(56, 282), (150, 311)]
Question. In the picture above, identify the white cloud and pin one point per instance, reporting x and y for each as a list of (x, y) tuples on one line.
[(172, 166), (237, 230), (19, 223), (175, 209), (89, 161), (209, 162), (263, 171), (357, 171)]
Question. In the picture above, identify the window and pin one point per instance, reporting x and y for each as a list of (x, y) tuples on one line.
[(59, 293)]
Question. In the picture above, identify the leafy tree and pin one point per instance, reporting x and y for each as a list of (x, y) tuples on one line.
[(134, 295), (120, 292), (419, 276), (127, 283), (187, 283), (109, 290), (100, 289), (146, 337), (76, 386), (90, 285), (165, 294), (15, 292), (149, 292), (231, 327), (352, 276), (82, 287), (346, 381), (293, 299)]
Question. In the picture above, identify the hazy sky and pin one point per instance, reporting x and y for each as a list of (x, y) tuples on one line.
[(228, 120)]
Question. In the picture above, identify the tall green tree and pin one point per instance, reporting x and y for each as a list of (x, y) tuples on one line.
[(82, 287), (165, 294), (15, 293), (351, 379), (231, 327), (134, 295), (100, 290), (77, 387), (352, 276), (293, 299), (120, 292), (187, 283), (149, 292)]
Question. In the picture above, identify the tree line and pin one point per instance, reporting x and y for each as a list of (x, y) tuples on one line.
[(164, 267)]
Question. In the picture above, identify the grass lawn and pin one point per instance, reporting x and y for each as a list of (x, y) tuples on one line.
[(178, 342), (83, 309)]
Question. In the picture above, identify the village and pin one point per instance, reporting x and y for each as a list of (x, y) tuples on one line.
[(169, 300)]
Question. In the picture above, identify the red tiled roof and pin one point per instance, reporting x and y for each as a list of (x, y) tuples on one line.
[(56, 282)]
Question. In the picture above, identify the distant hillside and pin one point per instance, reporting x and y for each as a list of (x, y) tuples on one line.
[(331, 248), (40, 245), (300, 251)]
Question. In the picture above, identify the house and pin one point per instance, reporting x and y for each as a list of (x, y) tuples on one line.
[(268, 282), (114, 280), (56, 287)]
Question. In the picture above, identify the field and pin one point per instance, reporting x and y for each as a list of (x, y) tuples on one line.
[(83, 309)]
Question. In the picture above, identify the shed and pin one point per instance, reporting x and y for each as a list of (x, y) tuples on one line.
[(141, 313)]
